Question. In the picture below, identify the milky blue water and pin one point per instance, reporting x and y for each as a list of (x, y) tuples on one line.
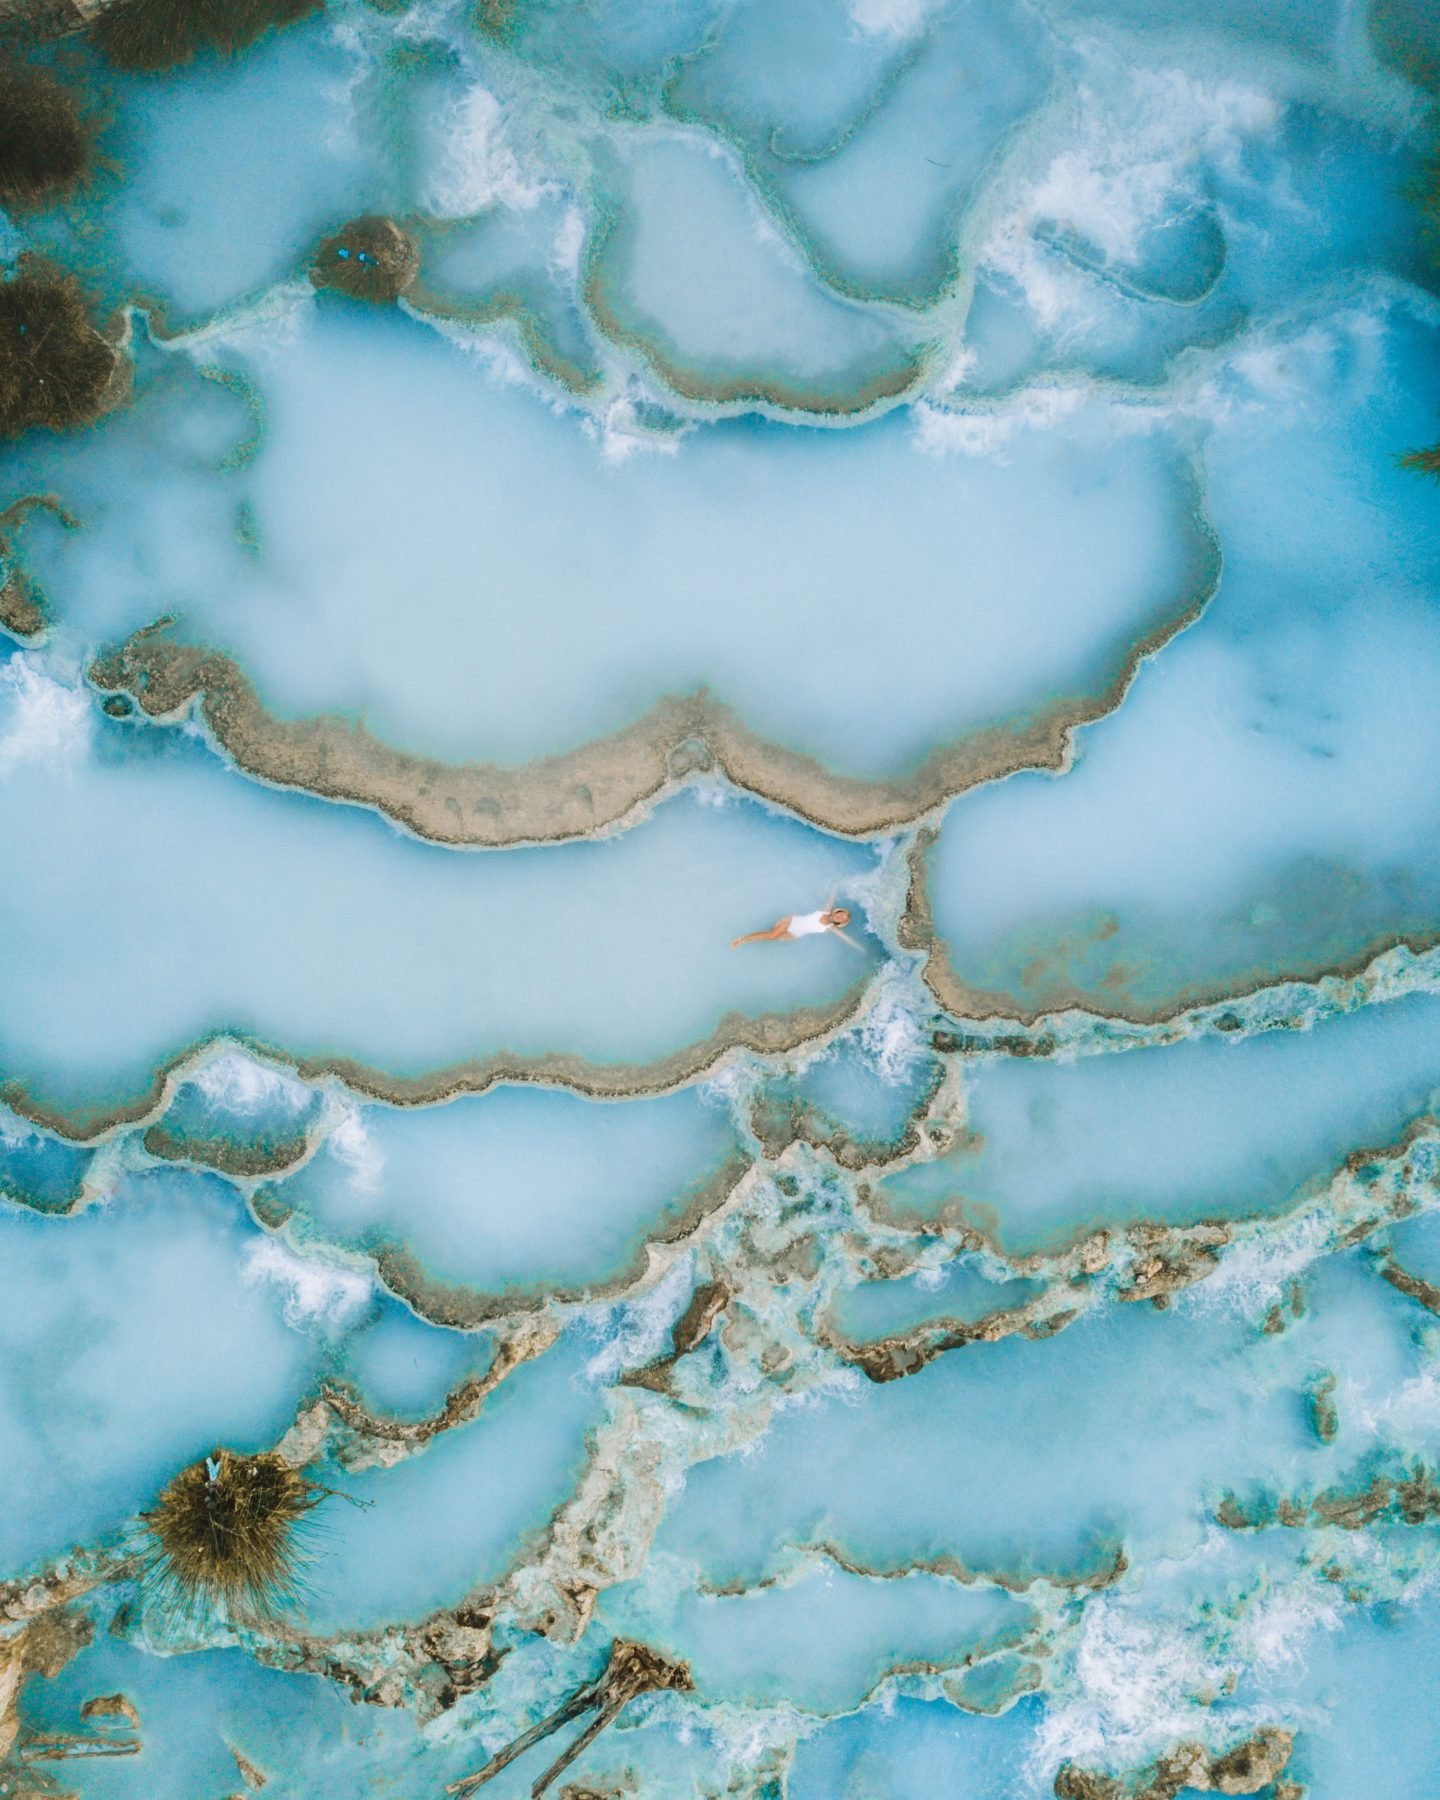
[(1213, 1128), (517, 1192), (935, 457)]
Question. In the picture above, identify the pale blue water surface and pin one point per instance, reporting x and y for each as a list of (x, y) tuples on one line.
[(936, 456)]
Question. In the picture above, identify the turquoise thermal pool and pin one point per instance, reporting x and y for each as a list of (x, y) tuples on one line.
[(501, 498)]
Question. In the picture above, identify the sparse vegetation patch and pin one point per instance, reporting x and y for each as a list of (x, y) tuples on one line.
[(44, 142), (370, 259), (55, 368), (164, 34)]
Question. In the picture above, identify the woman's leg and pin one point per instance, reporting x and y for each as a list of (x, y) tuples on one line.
[(780, 929)]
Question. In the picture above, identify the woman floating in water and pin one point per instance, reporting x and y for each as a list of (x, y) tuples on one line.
[(798, 925)]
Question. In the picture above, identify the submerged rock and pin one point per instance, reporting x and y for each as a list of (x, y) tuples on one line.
[(23, 607), (369, 259), (163, 34), (44, 144), (55, 368), (43, 1646), (1411, 1498), (1247, 1768), (1254, 1764), (264, 1155), (1320, 1405), (251, 1775), (111, 1706), (1425, 1293)]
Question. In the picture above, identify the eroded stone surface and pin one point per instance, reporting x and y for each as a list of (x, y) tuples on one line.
[(603, 784)]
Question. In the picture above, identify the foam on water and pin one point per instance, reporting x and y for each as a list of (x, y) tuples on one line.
[(1151, 143), (326, 1294), (634, 1332), (46, 721), (477, 166), (891, 18), (237, 1082)]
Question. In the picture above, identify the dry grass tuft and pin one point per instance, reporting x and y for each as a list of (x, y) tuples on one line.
[(1424, 194), (55, 368), (163, 34), (223, 1536), (44, 143), (370, 258), (1422, 462)]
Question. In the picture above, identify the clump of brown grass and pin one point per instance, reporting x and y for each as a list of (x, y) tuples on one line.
[(163, 34), (44, 143), (223, 1536), (1425, 195), (1423, 462), (370, 258), (55, 367)]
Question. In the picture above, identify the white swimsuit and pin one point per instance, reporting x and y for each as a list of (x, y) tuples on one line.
[(807, 924)]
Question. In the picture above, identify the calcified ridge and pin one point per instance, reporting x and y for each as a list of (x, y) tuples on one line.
[(603, 785), (957, 998), (767, 1035), (1004, 1361), (600, 1535), (1291, 1001)]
